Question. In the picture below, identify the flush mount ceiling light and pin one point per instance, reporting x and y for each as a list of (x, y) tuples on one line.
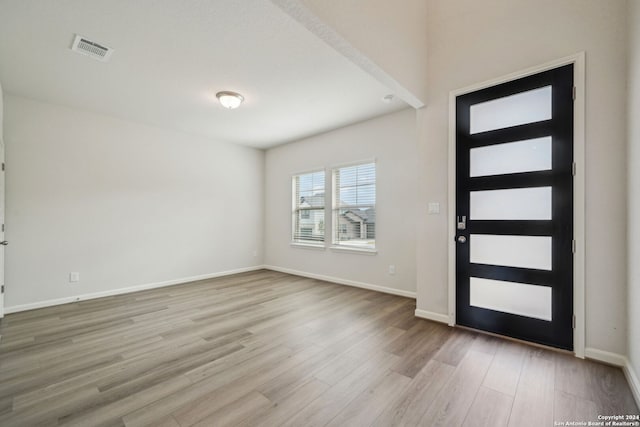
[(229, 99)]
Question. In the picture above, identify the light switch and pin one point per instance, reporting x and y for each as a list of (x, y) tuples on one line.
[(434, 208)]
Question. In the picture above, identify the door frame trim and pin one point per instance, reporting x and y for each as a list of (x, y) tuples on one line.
[(578, 61)]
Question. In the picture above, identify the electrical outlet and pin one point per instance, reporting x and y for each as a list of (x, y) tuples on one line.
[(392, 270), (74, 277), (255, 253)]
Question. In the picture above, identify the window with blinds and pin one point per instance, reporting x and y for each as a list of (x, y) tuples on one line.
[(354, 206), (308, 208)]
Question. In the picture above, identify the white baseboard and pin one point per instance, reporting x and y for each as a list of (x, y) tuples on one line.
[(430, 315), (340, 281), (83, 297), (632, 378), (607, 357)]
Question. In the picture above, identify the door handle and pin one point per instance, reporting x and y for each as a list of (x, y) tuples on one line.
[(4, 243), (462, 239)]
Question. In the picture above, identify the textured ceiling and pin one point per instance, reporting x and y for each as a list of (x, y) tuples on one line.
[(172, 56)]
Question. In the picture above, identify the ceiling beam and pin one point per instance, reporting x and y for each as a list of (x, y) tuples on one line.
[(301, 13)]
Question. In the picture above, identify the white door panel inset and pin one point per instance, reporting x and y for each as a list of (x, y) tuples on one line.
[(511, 251), (512, 157), (510, 297), (519, 109), (511, 204)]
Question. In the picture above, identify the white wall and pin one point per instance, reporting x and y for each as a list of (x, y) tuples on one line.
[(634, 185), (391, 140), (470, 42), (121, 203)]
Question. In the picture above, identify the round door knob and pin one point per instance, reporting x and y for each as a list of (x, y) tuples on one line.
[(462, 239), (4, 243)]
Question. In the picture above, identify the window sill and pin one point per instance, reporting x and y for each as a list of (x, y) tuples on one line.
[(354, 250), (320, 247)]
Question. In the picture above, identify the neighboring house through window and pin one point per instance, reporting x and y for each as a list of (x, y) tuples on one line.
[(354, 206), (308, 208)]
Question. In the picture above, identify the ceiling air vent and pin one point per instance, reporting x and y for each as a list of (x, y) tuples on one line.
[(84, 46)]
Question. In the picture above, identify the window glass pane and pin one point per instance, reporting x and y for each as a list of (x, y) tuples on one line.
[(309, 226), (511, 251), (512, 204), (354, 210), (367, 174), (358, 195), (311, 182), (348, 196), (348, 176), (308, 211), (316, 201), (513, 157), (366, 194), (356, 227), (510, 297), (306, 182), (521, 108)]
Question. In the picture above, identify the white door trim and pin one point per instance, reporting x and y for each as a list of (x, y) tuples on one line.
[(2, 202), (578, 61)]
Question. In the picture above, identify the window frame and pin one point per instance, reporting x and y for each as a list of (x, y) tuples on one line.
[(296, 210), (336, 244)]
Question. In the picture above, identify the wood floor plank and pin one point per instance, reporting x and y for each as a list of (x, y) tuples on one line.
[(81, 392), (609, 390), (456, 347), (47, 411), (236, 412), (325, 407), (376, 341), (366, 407), (239, 363), (32, 381), (533, 403), (486, 343), (113, 411), (490, 409), (421, 351), (451, 406), (504, 372), (410, 406), (277, 388), (413, 337), (332, 373), (567, 407), (6, 405), (231, 387), (572, 376), (206, 396), (269, 348), (167, 422), (279, 412)]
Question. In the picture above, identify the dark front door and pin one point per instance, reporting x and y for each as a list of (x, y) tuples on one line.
[(514, 208)]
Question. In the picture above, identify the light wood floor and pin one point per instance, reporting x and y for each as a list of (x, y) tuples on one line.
[(271, 349)]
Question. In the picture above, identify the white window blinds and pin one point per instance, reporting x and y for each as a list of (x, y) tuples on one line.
[(354, 206), (308, 208)]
